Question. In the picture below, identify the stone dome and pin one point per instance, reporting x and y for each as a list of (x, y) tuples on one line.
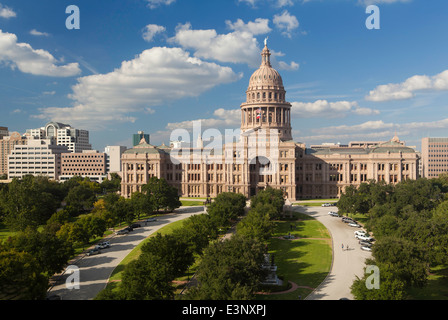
[(265, 76)]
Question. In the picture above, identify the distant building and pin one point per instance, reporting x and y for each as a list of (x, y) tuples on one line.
[(7, 144), (113, 163), (89, 163), (435, 156), (3, 132), (76, 140), (136, 138), (36, 157)]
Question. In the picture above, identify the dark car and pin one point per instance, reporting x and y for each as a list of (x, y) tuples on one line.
[(151, 219), (135, 225), (94, 251), (123, 231)]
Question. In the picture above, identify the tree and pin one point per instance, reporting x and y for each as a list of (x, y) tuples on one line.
[(271, 196), (141, 204), (198, 231), (112, 185), (149, 277), (80, 199), (161, 195), (230, 270), (227, 207), (258, 222), (21, 277), (50, 252), (27, 203)]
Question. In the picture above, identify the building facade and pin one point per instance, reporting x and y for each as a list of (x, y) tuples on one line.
[(113, 162), (434, 156), (36, 157), (76, 140), (7, 144), (89, 163), (264, 154)]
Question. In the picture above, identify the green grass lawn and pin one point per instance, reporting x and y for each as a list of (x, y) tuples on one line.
[(306, 260)]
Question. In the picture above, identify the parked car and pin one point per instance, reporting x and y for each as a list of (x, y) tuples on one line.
[(360, 232), (129, 229), (364, 243), (334, 214), (151, 219), (94, 251), (123, 231), (325, 204), (365, 248), (135, 225), (354, 225), (104, 245), (364, 237), (347, 220)]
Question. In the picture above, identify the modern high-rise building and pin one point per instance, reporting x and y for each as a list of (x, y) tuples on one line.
[(264, 154), (7, 144), (136, 138), (36, 157), (434, 156), (76, 140), (3, 132)]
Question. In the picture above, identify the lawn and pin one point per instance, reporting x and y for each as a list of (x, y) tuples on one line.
[(306, 260), (437, 287)]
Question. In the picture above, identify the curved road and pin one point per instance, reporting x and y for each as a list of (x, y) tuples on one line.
[(94, 271), (347, 264)]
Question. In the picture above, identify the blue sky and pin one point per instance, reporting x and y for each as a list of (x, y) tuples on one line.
[(158, 65)]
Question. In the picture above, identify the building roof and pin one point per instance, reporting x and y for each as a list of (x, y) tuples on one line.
[(145, 148), (265, 76)]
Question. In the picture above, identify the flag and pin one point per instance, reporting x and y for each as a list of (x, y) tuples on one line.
[(259, 113)]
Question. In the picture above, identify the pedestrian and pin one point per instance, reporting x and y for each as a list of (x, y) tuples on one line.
[(342, 247)]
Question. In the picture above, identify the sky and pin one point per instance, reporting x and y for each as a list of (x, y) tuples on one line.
[(159, 65)]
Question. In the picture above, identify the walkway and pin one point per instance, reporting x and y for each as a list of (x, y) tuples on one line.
[(94, 271), (346, 264)]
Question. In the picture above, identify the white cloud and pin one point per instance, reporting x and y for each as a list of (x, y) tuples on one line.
[(151, 30), (156, 76), (292, 66), (234, 47), (34, 32), (152, 4), (33, 61), (6, 12), (323, 108), (286, 23), (406, 89), (223, 119), (259, 26)]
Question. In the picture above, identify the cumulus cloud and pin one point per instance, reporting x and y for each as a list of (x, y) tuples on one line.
[(259, 26), (6, 12), (407, 89), (369, 2), (323, 108), (234, 47), (154, 77), (286, 23), (33, 61), (151, 30)]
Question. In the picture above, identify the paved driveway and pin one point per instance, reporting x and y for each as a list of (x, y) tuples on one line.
[(94, 271), (347, 264)]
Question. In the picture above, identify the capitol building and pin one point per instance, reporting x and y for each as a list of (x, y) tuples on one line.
[(265, 154)]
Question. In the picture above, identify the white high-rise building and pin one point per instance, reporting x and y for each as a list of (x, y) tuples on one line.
[(76, 140)]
